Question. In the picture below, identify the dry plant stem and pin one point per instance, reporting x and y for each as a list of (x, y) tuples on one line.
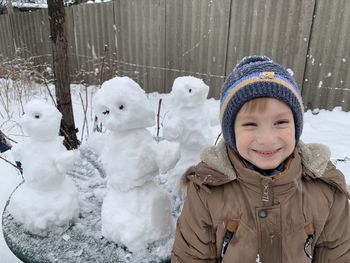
[(103, 65), (159, 105), (48, 89), (85, 106), (6, 137), (19, 90), (86, 109), (4, 104), (2, 158), (217, 138), (114, 66)]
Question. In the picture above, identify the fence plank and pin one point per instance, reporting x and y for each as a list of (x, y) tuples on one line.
[(196, 41), (7, 48), (327, 77), (278, 29), (141, 41), (31, 37), (93, 30)]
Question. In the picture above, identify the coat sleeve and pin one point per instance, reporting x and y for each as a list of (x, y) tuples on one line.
[(335, 244), (195, 238)]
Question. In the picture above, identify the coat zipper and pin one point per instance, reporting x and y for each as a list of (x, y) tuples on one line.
[(265, 195)]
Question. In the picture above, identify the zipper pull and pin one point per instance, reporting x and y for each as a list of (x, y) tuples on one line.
[(310, 232), (265, 196), (231, 228)]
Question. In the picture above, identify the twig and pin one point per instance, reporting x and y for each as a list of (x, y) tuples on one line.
[(341, 160), (2, 158), (217, 138), (48, 89), (86, 109), (6, 137), (159, 105), (85, 122), (114, 65), (103, 64)]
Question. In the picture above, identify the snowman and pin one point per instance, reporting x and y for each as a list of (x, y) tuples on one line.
[(187, 122), (47, 200), (136, 211)]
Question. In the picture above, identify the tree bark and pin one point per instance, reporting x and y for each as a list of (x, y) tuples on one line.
[(58, 38)]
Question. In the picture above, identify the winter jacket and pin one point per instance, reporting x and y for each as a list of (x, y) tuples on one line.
[(305, 207)]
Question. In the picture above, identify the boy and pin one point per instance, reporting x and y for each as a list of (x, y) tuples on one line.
[(261, 195)]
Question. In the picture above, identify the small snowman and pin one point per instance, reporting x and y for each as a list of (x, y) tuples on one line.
[(187, 121), (136, 211), (47, 200)]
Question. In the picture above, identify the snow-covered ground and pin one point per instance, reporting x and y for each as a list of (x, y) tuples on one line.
[(327, 127)]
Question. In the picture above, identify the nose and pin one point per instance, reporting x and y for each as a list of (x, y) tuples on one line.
[(266, 136)]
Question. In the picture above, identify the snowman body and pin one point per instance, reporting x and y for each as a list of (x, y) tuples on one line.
[(136, 210), (188, 123), (47, 200)]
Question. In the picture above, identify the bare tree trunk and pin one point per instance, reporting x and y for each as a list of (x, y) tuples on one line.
[(61, 71)]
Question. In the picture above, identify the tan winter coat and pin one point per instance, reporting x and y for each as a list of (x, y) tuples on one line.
[(275, 215)]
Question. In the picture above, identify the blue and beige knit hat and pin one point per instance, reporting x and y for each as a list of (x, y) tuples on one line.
[(255, 77)]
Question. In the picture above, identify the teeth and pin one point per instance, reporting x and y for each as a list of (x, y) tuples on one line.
[(267, 153)]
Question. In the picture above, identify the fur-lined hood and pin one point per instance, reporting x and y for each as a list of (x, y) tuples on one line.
[(216, 168)]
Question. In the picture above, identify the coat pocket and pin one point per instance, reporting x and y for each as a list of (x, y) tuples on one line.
[(241, 248), (297, 245)]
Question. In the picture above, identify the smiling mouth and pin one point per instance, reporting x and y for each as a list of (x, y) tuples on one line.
[(267, 153)]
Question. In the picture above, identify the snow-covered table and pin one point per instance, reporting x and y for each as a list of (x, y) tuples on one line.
[(83, 241)]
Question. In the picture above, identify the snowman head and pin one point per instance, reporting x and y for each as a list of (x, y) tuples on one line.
[(121, 104), (41, 120), (189, 91)]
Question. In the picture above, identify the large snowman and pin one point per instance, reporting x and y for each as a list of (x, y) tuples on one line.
[(188, 122), (47, 200), (136, 211)]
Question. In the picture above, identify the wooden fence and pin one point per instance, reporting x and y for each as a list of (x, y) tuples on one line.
[(155, 41)]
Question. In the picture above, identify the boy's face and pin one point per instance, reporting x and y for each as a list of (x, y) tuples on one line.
[(265, 138)]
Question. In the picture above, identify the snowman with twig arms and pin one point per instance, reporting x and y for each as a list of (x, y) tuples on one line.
[(47, 200), (136, 211)]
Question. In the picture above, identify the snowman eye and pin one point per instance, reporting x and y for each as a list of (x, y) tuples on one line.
[(37, 116), (121, 107), (190, 90), (106, 112)]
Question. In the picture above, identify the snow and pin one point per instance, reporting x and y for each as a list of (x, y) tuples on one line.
[(320, 84), (321, 126)]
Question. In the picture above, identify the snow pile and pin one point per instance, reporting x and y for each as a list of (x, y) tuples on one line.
[(48, 198), (136, 210)]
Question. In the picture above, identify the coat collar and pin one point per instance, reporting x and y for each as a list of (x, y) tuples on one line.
[(216, 168), (314, 157)]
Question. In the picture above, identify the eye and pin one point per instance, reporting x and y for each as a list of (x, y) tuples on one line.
[(249, 124), (37, 116), (190, 90), (106, 112), (281, 122), (121, 107)]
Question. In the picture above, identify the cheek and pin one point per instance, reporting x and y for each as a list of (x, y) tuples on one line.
[(243, 139)]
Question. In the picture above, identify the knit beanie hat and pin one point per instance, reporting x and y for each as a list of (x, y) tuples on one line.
[(255, 77)]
